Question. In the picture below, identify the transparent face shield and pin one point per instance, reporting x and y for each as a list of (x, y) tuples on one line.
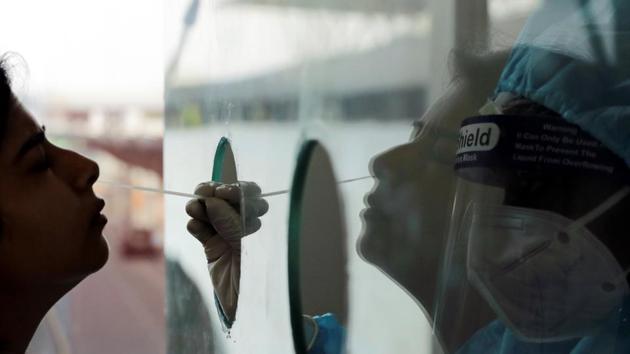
[(533, 253)]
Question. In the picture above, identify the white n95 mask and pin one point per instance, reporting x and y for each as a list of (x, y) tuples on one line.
[(548, 278)]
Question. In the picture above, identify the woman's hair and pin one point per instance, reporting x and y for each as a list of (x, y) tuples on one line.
[(6, 97), (6, 101)]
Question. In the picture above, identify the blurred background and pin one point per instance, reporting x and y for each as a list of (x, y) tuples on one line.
[(92, 73)]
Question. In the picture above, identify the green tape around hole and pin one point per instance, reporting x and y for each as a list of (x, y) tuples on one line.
[(219, 159)]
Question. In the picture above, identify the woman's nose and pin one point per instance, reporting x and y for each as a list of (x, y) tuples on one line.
[(92, 172), (78, 171)]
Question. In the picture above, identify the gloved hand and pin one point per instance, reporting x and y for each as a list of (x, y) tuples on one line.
[(225, 214)]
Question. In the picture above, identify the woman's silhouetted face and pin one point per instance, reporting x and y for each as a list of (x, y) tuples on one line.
[(50, 221)]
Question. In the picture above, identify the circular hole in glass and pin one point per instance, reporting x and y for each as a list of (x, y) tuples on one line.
[(317, 248), (224, 170)]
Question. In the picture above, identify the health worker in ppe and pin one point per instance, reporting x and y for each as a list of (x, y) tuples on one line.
[(521, 247), (538, 224)]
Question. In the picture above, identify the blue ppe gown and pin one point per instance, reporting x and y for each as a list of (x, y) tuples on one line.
[(573, 57), (612, 337)]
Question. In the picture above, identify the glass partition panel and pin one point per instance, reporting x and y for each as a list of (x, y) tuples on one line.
[(383, 87)]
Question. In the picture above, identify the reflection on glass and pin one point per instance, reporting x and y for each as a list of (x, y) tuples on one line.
[(407, 218), (189, 326)]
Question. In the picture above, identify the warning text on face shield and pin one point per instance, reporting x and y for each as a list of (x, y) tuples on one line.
[(558, 146), (540, 143)]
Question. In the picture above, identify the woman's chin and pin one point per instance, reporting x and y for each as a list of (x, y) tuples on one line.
[(370, 244), (98, 256)]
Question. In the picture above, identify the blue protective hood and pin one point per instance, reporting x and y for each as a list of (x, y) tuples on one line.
[(573, 56)]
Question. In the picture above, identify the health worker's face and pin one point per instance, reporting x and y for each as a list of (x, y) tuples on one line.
[(407, 216), (50, 221)]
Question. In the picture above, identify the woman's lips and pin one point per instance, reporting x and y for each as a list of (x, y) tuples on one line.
[(99, 220)]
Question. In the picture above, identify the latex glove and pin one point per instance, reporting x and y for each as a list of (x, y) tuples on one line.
[(227, 213)]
